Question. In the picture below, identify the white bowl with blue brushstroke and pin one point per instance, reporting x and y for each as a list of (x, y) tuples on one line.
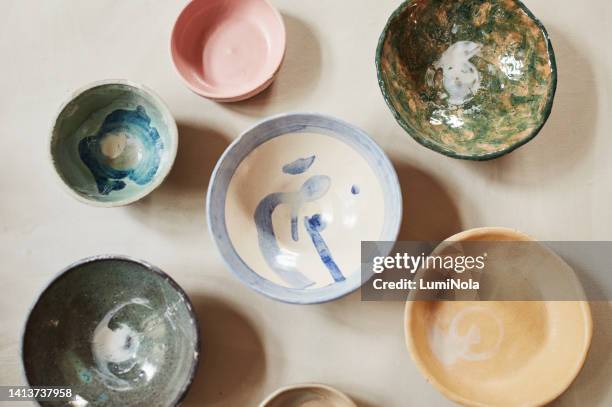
[(291, 200), (113, 142)]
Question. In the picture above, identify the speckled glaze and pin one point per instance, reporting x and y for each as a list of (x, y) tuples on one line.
[(117, 331), (113, 142), (471, 79), (308, 395), (291, 200)]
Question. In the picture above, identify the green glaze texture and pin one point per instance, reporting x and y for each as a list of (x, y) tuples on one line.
[(117, 331), (471, 79)]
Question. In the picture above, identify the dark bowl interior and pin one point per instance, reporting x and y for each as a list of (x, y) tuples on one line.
[(116, 331), (471, 79)]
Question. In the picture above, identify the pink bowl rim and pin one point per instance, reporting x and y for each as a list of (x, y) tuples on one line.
[(258, 87)]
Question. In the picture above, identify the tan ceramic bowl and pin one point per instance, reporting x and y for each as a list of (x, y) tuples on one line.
[(498, 353), (308, 395)]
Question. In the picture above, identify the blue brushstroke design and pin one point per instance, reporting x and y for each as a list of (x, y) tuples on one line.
[(315, 225), (295, 235), (308, 189), (312, 189), (136, 123), (355, 190), (299, 166)]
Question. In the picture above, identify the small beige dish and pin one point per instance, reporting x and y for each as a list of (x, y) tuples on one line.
[(307, 395), (498, 353)]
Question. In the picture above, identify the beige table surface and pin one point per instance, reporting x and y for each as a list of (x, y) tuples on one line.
[(558, 187)]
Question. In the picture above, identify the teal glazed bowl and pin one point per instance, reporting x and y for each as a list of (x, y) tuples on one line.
[(117, 331), (113, 142), (471, 79)]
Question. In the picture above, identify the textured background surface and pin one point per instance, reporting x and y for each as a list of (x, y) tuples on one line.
[(557, 187)]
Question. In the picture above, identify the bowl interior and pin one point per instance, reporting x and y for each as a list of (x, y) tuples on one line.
[(113, 143), (470, 79), (488, 352), (227, 48), (114, 331), (293, 199)]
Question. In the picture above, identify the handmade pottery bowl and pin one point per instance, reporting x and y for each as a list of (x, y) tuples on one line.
[(291, 200), (487, 353), (117, 331), (473, 79), (308, 395), (113, 142), (228, 50)]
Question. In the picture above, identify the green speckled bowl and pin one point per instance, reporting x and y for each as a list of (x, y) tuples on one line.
[(117, 331), (471, 79)]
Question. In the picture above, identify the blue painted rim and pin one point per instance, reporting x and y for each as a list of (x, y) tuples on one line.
[(277, 126)]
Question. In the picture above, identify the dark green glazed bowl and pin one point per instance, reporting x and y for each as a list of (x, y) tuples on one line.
[(471, 79), (117, 331)]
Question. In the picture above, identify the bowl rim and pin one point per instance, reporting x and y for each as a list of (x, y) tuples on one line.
[(239, 267), (450, 153), (172, 148), (343, 396), (258, 87), (128, 259), (431, 378)]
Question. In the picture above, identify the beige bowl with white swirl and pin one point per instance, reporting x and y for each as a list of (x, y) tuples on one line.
[(498, 353)]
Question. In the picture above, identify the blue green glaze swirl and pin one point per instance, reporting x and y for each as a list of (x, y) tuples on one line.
[(135, 127)]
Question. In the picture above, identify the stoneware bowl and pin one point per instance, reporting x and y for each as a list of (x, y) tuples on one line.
[(117, 331), (113, 142), (291, 200), (473, 79), (228, 50), (488, 353), (308, 395)]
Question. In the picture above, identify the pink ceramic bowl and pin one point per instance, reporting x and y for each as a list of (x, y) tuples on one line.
[(228, 50)]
